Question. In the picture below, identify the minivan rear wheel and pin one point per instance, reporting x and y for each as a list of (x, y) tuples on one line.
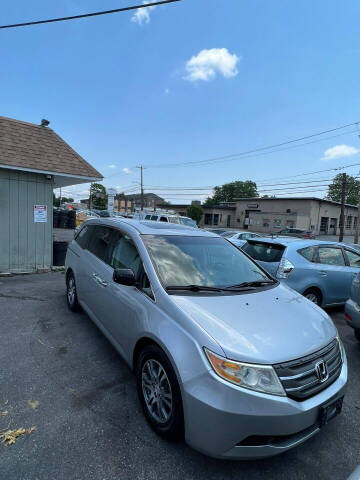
[(313, 295), (159, 393)]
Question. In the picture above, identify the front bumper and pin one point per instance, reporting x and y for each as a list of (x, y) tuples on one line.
[(353, 310), (220, 418)]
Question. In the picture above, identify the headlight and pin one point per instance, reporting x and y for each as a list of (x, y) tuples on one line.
[(341, 347), (260, 378)]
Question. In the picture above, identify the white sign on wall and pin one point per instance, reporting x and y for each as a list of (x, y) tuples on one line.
[(40, 213), (111, 196)]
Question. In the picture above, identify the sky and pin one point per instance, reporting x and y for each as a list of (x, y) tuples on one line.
[(185, 82)]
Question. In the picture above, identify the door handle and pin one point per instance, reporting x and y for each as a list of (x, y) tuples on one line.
[(322, 273), (99, 280)]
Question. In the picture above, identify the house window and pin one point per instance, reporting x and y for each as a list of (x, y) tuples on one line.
[(208, 218), (266, 223), (216, 218), (348, 222), (277, 223)]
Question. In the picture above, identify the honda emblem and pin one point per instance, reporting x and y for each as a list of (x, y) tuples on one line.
[(321, 371)]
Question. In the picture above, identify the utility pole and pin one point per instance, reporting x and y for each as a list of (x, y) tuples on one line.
[(141, 187), (356, 238), (342, 219)]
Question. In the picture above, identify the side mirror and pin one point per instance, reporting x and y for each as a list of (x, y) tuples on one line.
[(124, 276)]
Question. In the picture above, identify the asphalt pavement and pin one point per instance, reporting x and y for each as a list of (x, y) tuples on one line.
[(59, 374)]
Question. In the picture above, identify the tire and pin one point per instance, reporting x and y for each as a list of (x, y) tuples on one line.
[(357, 334), (71, 294), (161, 401), (313, 295)]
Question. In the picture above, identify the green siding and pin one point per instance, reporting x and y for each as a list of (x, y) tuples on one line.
[(25, 246)]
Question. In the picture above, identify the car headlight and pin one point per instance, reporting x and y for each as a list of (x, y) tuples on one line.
[(341, 347), (260, 378)]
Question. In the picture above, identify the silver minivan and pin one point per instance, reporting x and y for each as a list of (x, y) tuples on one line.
[(224, 355)]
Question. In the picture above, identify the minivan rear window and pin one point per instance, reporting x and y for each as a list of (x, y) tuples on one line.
[(264, 252)]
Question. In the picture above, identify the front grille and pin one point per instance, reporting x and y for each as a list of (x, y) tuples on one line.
[(299, 377)]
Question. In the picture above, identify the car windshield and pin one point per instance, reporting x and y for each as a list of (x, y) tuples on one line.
[(228, 234), (264, 252), (201, 261), (187, 221)]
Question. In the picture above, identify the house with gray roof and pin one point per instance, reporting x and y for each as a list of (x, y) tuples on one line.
[(33, 161)]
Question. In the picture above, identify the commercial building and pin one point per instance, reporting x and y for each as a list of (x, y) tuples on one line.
[(33, 161), (151, 200), (270, 215)]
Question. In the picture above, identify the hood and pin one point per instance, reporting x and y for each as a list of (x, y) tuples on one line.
[(266, 327)]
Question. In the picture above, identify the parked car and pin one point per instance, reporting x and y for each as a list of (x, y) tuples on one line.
[(352, 307), (225, 355), (218, 231), (165, 217), (321, 271), (296, 232), (240, 237)]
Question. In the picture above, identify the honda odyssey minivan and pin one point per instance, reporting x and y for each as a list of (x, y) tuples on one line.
[(224, 355)]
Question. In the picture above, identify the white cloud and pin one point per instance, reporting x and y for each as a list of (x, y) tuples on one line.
[(339, 151), (112, 166), (142, 15), (206, 64), (127, 171)]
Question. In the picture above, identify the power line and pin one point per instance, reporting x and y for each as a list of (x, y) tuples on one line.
[(175, 188), (316, 172), (293, 188), (261, 149), (87, 15)]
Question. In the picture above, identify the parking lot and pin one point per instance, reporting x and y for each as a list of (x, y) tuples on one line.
[(59, 374)]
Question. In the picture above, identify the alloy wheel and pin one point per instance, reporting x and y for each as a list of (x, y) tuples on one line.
[(312, 297), (71, 290), (156, 390)]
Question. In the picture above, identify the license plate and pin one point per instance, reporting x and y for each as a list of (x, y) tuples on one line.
[(330, 410)]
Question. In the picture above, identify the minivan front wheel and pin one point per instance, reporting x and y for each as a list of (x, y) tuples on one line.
[(159, 392), (71, 293), (313, 295)]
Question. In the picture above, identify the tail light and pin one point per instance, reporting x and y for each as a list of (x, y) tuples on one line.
[(348, 317), (285, 268), (307, 235)]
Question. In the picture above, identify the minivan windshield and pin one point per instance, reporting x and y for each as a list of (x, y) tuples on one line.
[(201, 261)]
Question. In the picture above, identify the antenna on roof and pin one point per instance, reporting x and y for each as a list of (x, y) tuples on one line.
[(45, 123)]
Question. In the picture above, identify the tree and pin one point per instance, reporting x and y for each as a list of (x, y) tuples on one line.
[(352, 191), (195, 212), (57, 201), (98, 196), (229, 191)]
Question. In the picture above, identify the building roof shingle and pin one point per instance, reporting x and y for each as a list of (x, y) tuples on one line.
[(35, 147)]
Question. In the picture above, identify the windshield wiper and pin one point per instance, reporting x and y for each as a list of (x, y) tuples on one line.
[(195, 288), (255, 283)]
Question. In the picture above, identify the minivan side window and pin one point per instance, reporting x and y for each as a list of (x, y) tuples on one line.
[(163, 219), (100, 242), (147, 217), (154, 217), (331, 256), (354, 259), (124, 254), (308, 253), (84, 235)]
